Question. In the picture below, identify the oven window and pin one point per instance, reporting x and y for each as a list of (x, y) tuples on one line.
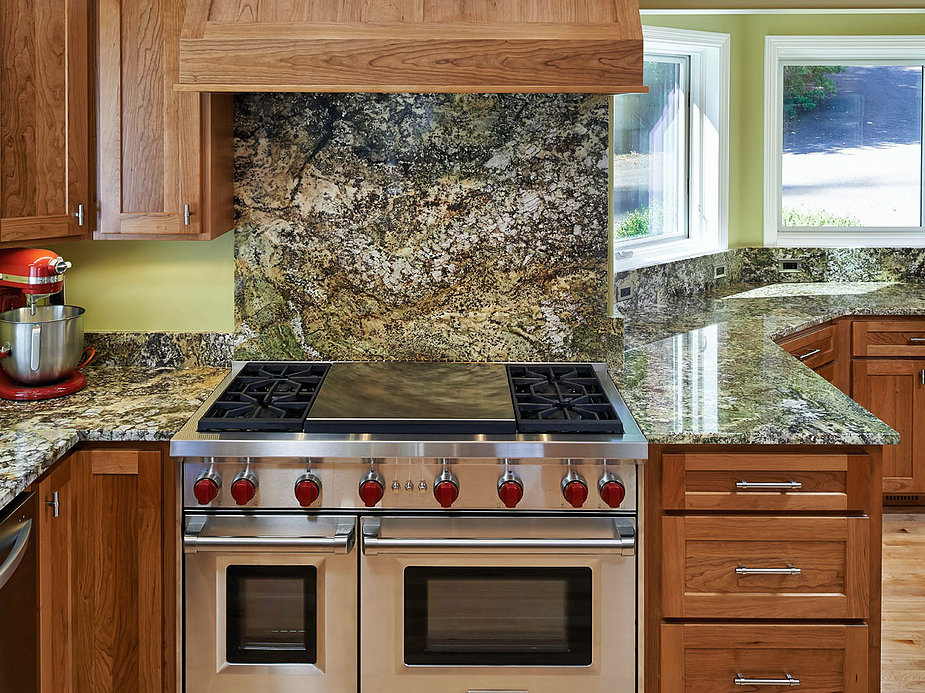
[(271, 614), (498, 617)]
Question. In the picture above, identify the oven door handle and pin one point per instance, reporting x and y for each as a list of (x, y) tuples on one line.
[(622, 543), (340, 543)]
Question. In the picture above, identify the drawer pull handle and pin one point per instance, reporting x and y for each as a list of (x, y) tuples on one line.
[(789, 570), (805, 356), (768, 485), (740, 680), (916, 340)]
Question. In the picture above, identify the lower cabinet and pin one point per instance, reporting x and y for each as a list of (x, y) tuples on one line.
[(107, 579), (730, 658)]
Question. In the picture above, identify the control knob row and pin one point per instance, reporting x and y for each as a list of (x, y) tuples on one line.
[(244, 488)]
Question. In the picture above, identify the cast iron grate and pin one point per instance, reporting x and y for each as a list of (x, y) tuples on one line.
[(266, 397), (561, 398)]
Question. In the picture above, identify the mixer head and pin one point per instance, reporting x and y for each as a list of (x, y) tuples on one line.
[(29, 274)]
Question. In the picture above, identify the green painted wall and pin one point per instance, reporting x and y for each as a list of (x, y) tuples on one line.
[(746, 136), (157, 286), (189, 286)]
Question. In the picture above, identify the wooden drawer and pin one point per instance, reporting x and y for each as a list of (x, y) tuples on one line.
[(889, 338), (714, 481), (703, 559), (815, 347), (700, 658)]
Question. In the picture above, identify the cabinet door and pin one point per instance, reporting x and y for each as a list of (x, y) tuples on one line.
[(894, 391), (162, 173), (57, 504), (119, 617), (45, 181)]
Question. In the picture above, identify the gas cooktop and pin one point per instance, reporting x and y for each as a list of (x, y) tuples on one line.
[(399, 408)]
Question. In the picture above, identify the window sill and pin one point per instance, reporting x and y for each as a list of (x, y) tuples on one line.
[(847, 238), (659, 254)]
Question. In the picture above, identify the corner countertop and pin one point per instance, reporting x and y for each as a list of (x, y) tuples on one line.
[(705, 370), (118, 404)]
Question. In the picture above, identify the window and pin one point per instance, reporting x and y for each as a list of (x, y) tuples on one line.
[(670, 151), (843, 141)]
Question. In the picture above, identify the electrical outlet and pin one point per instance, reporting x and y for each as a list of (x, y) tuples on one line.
[(719, 271), (790, 265), (624, 292)]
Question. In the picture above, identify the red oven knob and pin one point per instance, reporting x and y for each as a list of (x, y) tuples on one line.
[(206, 489), (612, 490), (510, 490), (244, 488), (372, 488), (307, 489), (575, 490)]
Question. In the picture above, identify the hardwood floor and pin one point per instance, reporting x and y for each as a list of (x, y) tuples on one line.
[(903, 640)]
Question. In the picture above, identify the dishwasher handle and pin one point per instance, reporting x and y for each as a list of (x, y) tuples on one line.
[(9, 566), (622, 543), (341, 542)]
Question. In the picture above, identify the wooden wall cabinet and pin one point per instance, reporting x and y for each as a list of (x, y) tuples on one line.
[(107, 581), (46, 189), (165, 158)]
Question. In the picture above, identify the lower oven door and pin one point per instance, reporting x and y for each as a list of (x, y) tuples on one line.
[(270, 603), (498, 605)]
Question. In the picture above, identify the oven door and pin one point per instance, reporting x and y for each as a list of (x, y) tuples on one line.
[(270, 603), (471, 605)]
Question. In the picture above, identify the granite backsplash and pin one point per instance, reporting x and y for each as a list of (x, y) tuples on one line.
[(422, 227)]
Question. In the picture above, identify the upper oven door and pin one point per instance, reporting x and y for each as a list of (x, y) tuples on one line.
[(540, 604), (270, 597)]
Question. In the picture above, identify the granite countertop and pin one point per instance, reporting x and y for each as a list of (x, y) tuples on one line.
[(118, 404), (706, 369)]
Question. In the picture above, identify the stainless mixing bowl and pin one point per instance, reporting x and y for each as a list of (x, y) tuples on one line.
[(44, 347)]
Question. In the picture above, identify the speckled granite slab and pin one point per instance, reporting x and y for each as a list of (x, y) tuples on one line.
[(434, 227), (161, 349), (119, 404), (705, 369)]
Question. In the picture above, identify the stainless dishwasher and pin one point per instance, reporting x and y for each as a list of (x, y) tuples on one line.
[(18, 587)]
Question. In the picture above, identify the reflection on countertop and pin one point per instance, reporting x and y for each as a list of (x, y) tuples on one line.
[(705, 369)]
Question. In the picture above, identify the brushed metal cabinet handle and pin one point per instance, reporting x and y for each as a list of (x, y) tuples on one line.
[(54, 504), (805, 356), (789, 570), (789, 681), (916, 340), (743, 485)]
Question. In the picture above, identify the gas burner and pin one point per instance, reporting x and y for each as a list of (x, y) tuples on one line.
[(561, 398), (266, 397)]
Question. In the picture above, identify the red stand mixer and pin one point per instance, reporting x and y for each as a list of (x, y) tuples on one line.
[(37, 341)]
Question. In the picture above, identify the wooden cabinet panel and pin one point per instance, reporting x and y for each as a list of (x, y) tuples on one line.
[(44, 120), (734, 482), (894, 391), (702, 557), (889, 338), (108, 574), (709, 658), (826, 350), (166, 157)]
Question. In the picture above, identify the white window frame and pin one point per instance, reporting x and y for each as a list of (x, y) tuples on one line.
[(708, 164), (826, 50)]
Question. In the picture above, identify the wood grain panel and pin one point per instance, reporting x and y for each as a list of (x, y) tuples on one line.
[(701, 658), (44, 118), (884, 338), (700, 556), (819, 339), (892, 389)]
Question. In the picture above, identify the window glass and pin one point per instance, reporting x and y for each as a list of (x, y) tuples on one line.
[(651, 155), (852, 146)]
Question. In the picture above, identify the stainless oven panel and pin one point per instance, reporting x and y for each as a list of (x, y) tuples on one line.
[(270, 603), (409, 482), (450, 602)]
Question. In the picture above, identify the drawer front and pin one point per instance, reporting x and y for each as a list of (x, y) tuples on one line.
[(772, 482), (765, 567), (889, 338), (814, 348), (699, 658)]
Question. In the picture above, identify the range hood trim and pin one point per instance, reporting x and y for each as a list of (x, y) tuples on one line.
[(411, 57)]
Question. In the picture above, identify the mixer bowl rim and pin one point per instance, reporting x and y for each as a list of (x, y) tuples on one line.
[(76, 312)]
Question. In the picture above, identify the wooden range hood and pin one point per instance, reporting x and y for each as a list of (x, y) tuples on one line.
[(592, 46)]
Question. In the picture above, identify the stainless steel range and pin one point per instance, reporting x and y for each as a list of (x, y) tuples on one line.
[(411, 527)]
